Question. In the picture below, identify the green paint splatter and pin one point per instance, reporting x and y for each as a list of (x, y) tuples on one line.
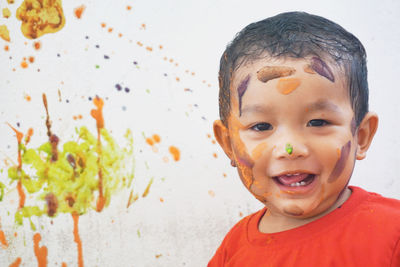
[(289, 148), (70, 184)]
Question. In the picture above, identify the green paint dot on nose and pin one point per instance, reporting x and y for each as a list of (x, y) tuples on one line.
[(289, 148)]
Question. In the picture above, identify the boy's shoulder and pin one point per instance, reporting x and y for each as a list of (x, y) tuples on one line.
[(378, 205)]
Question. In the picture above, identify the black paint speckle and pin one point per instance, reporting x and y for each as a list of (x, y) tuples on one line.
[(106, 57), (127, 89), (118, 86), (97, 46)]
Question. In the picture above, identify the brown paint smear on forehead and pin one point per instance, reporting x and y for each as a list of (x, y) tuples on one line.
[(293, 210), (322, 68), (287, 85), (341, 163), (272, 72)]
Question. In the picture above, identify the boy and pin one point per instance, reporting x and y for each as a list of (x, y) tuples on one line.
[(294, 118)]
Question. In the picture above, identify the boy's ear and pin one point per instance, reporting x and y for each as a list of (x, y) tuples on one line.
[(221, 134), (365, 134)]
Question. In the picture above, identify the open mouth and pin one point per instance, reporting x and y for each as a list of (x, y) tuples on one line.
[(295, 180)]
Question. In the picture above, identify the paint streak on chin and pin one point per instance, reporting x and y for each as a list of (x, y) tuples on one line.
[(322, 68), (293, 211), (341, 163), (288, 85)]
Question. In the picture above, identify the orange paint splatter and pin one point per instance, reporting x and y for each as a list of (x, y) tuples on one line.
[(21, 194), (6, 48), (40, 252), (215, 155), (103, 25), (144, 26), (307, 68), (3, 240), (258, 150), (79, 11), (128, 7), (77, 239), (63, 264), (208, 135), (161, 200), (97, 114), (28, 135), (16, 263), (160, 46), (119, 35), (175, 152), (338, 151), (27, 97), (177, 79), (139, 44), (110, 30), (37, 45), (24, 64), (156, 138), (211, 193), (149, 141), (224, 174), (31, 59), (148, 48), (287, 85)]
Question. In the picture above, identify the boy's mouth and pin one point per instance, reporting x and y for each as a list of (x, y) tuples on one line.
[(294, 180)]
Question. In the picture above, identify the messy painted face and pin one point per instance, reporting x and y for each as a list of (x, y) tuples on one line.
[(292, 134)]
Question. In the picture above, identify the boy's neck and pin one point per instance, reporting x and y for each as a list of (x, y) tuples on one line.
[(274, 222)]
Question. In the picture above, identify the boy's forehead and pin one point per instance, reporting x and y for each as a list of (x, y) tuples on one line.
[(287, 76), (266, 69)]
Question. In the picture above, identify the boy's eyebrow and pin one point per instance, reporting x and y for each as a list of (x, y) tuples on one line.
[(257, 109), (323, 104)]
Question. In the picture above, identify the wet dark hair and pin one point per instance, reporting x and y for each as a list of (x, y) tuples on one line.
[(297, 35)]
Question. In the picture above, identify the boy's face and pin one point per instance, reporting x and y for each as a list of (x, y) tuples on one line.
[(291, 133)]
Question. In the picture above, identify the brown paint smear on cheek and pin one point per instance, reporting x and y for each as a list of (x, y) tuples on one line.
[(293, 210), (341, 163), (258, 150), (241, 90), (322, 68), (288, 85), (272, 72), (353, 126)]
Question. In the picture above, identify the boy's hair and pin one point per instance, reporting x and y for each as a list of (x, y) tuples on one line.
[(297, 35)]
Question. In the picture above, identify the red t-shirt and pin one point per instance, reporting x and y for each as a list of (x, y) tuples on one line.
[(364, 231)]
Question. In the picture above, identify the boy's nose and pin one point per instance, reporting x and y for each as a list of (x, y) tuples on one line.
[(290, 149)]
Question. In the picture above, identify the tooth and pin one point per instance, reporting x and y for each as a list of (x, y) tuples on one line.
[(302, 183)]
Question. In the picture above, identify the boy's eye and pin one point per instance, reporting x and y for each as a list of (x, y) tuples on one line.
[(317, 123), (262, 127)]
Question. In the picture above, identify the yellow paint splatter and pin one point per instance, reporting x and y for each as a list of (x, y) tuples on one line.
[(40, 17), (6, 13), (4, 33), (211, 193)]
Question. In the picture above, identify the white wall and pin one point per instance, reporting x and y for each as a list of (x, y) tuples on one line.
[(200, 204)]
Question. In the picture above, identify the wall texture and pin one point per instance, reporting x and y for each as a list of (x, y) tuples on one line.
[(153, 64)]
